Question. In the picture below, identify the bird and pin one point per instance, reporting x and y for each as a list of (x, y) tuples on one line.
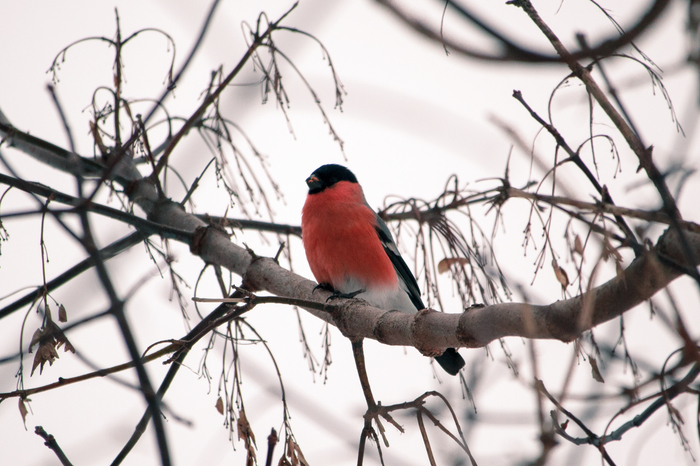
[(351, 251)]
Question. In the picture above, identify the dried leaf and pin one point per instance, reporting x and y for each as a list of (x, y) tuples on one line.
[(445, 264), (245, 433), (293, 456), (290, 447), (95, 131), (61, 338), (578, 246), (220, 406), (244, 430), (619, 272), (595, 371), (38, 333), (675, 414), (632, 394), (561, 275), (128, 109), (49, 338), (45, 353), (23, 412), (609, 251), (299, 455), (62, 314)]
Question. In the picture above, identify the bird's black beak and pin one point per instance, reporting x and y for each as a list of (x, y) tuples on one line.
[(314, 184)]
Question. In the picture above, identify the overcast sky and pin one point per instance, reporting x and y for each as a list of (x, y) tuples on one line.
[(411, 117)]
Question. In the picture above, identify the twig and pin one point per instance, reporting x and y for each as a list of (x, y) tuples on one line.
[(117, 81), (224, 313), (359, 356), (604, 207), (271, 442), (188, 60), (591, 438), (643, 153), (146, 226), (211, 98), (424, 434), (63, 382), (418, 403), (197, 332), (52, 155), (539, 385), (576, 159), (371, 414), (195, 184), (244, 224), (64, 120), (106, 253), (511, 50), (50, 441)]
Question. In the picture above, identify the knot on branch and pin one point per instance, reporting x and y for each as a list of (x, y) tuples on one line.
[(200, 236), (387, 325), (464, 333), (252, 280), (142, 192), (344, 318), (197, 244), (421, 326)]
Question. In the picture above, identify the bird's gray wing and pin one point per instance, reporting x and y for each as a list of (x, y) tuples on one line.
[(402, 270)]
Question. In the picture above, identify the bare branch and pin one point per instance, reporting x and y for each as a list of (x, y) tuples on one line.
[(511, 51), (50, 441), (603, 207), (431, 330)]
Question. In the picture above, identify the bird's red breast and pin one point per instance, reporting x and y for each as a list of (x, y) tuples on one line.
[(341, 242)]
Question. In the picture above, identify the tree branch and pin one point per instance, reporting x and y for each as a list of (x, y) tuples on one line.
[(657, 216), (430, 331), (58, 157), (106, 253), (511, 50), (50, 441), (144, 226)]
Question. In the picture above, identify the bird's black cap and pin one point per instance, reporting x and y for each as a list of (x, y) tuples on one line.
[(326, 176)]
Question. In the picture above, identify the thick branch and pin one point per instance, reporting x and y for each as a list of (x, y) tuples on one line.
[(142, 225), (430, 331), (58, 157)]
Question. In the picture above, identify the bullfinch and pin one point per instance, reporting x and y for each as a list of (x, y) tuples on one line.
[(351, 251)]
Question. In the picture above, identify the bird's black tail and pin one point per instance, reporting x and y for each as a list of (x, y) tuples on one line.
[(451, 361)]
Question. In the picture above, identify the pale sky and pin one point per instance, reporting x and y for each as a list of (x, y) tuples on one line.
[(412, 116)]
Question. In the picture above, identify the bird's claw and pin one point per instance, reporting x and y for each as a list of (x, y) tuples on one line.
[(474, 306), (338, 294), (324, 287)]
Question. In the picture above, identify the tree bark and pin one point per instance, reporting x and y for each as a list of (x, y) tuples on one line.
[(429, 331)]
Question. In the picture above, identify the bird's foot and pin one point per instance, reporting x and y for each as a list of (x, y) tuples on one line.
[(474, 306), (335, 293), (324, 287), (338, 294)]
